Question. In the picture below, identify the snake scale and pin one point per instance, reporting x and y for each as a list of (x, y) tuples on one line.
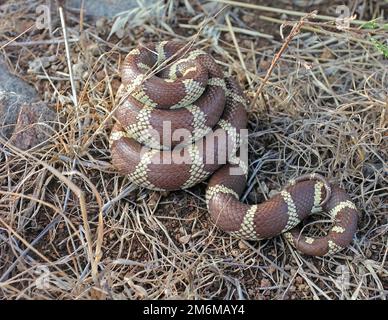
[(167, 84)]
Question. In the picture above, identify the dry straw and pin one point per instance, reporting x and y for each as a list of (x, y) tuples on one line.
[(72, 228)]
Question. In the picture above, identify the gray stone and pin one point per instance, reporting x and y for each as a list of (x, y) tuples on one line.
[(13, 84), (13, 93), (32, 125), (105, 8), (23, 121), (10, 104)]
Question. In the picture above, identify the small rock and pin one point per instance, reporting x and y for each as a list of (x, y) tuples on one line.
[(31, 129), (273, 193), (184, 239), (15, 85), (22, 120), (10, 103), (13, 93), (242, 245)]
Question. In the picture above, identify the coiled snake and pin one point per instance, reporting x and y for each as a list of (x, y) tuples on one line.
[(164, 85)]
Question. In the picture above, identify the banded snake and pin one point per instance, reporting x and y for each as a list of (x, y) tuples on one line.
[(166, 83)]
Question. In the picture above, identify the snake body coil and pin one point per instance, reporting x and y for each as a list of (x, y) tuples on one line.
[(193, 97)]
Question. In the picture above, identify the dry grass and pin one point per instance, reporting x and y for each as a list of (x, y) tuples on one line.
[(71, 228)]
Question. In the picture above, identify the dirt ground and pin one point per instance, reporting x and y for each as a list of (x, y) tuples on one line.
[(73, 228)]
